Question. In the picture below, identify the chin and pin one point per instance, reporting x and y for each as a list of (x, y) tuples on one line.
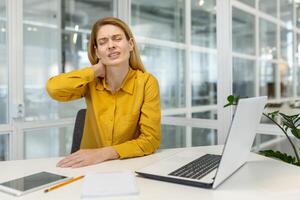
[(116, 62)]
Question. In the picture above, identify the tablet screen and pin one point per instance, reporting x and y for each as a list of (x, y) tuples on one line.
[(35, 180)]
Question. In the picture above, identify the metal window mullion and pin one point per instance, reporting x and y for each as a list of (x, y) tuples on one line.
[(160, 42), (16, 75), (224, 60), (280, 100), (278, 9), (5, 128), (279, 57), (243, 56), (34, 125), (268, 129), (257, 53), (278, 42), (17, 143), (274, 61), (115, 8), (191, 122), (60, 29), (204, 108), (272, 142), (243, 6), (124, 11), (203, 49), (178, 111), (253, 11), (257, 64), (295, 78), (188, 63), (295, 81), (174, 111)]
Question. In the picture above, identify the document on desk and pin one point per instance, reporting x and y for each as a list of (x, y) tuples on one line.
[(109, 184)]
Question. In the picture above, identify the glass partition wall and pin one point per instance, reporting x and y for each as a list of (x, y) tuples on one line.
[(177, 40), (4, 136), (265, 57), (55, 38)]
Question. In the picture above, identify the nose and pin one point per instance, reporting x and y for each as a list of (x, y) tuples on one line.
[(111, 44)]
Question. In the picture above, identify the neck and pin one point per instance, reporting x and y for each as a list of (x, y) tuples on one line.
[(115, 76)]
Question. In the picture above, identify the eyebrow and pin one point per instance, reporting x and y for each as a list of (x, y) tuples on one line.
[(107, 37)]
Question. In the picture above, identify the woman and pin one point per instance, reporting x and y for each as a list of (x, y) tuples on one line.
[(123, 103)]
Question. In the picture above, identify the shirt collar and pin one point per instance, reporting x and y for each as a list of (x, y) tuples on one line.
[(128, 83)]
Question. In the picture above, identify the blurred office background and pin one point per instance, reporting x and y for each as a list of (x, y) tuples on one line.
[(182, 42)]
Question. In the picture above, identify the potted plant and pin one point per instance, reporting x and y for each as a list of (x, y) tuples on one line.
[(287, 124)]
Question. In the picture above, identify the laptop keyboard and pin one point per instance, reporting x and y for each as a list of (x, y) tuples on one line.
[(199, 167)]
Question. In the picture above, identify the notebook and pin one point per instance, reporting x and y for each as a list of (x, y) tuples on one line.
[(109, 184)]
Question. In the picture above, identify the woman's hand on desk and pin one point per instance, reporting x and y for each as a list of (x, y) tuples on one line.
[(85, 157)]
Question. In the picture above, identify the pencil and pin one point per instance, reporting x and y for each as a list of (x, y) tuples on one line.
[(63, 183)]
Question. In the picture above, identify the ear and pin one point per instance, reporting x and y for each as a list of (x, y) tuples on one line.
[(131, 44), (96, 52)]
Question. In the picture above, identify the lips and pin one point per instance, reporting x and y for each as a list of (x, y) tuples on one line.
[(114, 55)]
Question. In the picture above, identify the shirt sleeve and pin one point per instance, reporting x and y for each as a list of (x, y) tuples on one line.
[(149, 123), (71, 85)]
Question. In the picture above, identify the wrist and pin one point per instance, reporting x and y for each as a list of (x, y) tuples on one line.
[(99, 71), (111, 153), (96, 71)]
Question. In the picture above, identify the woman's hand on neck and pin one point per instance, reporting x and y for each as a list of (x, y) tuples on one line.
[(99, 70), (115, 76)]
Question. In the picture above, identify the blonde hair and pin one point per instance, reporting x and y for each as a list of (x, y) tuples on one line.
[(135, 61)]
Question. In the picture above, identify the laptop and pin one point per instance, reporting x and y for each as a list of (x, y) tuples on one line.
[(206, 169)]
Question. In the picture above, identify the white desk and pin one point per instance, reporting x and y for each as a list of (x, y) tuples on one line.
[(260, 178)]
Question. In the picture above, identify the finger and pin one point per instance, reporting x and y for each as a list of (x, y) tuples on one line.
[(61, 162), (70, 157), (65, 160), (76, 153), (80, 164), (71, 162)]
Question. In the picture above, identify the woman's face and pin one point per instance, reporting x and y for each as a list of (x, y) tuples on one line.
[(113, 49)]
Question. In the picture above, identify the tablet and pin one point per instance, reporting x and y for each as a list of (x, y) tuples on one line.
[(31, 183)]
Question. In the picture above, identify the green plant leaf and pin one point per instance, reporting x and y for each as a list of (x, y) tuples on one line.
[(288, 121), (229, 104), (296, 133), (288, 124), (230, 98), (281, 156), (286, 128), (286, 117), (296, 120), (294, 117), (273, 114)]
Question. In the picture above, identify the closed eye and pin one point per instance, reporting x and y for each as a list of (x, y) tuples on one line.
[(102, 41), (117, 38)]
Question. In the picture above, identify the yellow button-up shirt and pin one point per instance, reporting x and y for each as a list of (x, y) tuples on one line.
[(128, 120)]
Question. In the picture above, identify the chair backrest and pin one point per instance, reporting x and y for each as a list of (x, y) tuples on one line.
[(78, 130)]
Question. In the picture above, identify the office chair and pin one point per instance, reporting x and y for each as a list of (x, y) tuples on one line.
[(78, 130)]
